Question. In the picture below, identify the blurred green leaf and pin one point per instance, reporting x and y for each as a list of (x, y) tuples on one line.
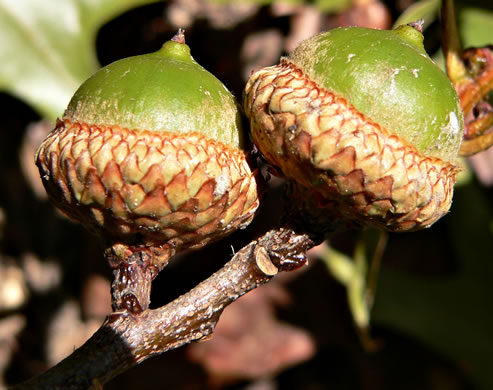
[(47, 47), (333, 5), (351, 272), (323, 5), (260, 2), (354, 273), (340, 266), (452, 314), (476, 26)]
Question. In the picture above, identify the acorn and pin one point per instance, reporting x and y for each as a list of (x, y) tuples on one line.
[(149, 154), (364, 126)]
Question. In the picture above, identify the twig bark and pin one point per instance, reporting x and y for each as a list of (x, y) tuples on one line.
[(127, 339)]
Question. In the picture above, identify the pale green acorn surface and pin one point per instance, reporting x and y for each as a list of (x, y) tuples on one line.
[(149, 154), (164, 91), (365, 127)]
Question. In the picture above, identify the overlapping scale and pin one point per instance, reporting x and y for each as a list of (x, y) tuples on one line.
[(344, 165)]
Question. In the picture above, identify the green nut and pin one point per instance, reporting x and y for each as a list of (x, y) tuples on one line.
[(164, 91)]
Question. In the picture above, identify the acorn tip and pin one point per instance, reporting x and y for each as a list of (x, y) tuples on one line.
[(418, 25), (179, 37)]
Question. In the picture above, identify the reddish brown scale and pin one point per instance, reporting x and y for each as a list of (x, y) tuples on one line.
[(113, 180)]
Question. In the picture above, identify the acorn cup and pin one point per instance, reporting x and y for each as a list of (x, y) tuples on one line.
[(363, 125), (149, 155)]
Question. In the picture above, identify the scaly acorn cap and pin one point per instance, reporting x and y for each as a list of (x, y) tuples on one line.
[(364, 126), (149, 155)]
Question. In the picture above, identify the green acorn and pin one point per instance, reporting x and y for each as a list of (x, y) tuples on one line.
[(365, 127), (149, 155)]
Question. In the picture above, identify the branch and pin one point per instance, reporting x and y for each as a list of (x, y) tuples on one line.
[(126, 339)]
